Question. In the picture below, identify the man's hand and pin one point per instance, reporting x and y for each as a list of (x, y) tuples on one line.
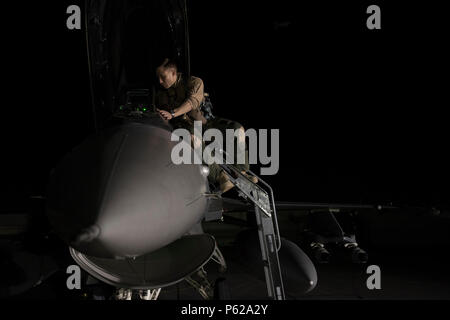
[(164, 114)]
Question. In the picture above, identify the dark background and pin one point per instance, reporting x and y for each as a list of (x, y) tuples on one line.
[(361, 112)]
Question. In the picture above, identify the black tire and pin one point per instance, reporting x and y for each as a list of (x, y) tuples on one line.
[(221, 290)]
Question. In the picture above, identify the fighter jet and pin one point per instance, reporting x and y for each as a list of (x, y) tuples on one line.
[(130, 217)]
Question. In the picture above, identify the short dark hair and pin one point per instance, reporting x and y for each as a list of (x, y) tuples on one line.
[(169, 63)]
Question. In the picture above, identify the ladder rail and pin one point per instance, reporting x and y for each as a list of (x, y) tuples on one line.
[(268, 229)]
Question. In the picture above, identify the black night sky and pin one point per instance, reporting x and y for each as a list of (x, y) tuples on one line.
[(361, 113)]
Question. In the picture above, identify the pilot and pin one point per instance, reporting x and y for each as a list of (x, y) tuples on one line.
[(179, 101)]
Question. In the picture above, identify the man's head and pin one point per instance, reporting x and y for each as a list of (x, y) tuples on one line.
[(167, 73)]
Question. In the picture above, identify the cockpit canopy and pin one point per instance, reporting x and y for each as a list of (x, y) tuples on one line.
[(126, 41)]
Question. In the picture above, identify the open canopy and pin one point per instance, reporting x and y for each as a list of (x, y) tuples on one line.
[(126, 41)]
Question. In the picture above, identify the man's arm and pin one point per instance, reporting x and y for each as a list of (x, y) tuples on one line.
[(184, 108), (192, 102), (194, 97)]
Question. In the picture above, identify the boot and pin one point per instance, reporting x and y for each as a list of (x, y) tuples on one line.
[(226, 184), (249, 177)]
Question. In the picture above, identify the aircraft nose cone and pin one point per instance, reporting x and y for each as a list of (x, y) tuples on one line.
[(120, 195), (87, 235)]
